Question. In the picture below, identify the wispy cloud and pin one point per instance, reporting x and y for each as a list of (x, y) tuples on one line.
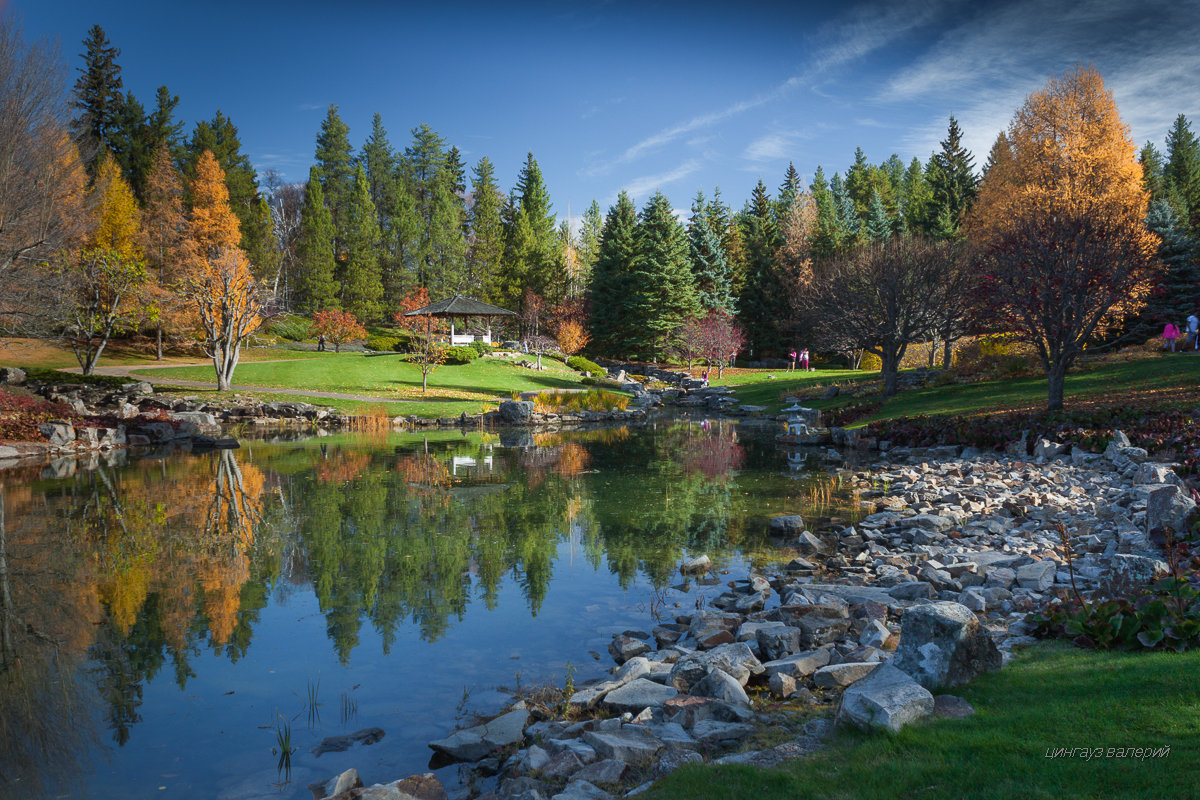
[(310, 106), (771, 147), (639, 188)]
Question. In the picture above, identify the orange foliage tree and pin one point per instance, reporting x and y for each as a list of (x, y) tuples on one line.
[(338, 327), (1060, 222), (571, 337), (220, 286), (427, 353)]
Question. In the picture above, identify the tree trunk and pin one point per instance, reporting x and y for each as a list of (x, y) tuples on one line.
[(890, 369), (1056, 376), (158, 344), (933, 347), (424, 381), (947, 353)]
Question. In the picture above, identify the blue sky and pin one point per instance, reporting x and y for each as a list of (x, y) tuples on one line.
[(641, 95)]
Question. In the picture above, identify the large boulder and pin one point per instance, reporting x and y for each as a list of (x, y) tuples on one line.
[(888, 698), (12, 375), (58, 432), (472, 744), (636, 695), (736, 659), (789, 525), (516, 412), (1169, 506), (721, 686), (943, 644), (630, 743)]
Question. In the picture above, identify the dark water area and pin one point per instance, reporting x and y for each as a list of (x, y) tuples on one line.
[(167, 626)]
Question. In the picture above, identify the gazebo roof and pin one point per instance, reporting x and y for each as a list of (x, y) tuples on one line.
[(459, 306)]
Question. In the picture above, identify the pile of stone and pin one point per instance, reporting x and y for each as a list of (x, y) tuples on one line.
[(522, 412)]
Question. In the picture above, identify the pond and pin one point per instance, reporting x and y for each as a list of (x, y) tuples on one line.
[(168, 625)]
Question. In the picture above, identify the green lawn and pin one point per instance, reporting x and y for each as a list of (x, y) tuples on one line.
[(767, 387), (404, 408), (388, 376), (1052, 696)]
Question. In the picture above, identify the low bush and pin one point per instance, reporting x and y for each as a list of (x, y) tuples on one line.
[(21, 412), (588, 381), (481, 347), (290, 327), (998, 355), (384, 344), (870, 363), (583, 365), (462, 354), (48, 375)]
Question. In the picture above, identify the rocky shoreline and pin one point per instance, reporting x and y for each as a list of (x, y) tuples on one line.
[(859, 628)]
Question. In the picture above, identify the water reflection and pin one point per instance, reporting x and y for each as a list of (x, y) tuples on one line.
[(109, 576)]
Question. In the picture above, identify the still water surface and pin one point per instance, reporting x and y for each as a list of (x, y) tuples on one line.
[(165, 622)]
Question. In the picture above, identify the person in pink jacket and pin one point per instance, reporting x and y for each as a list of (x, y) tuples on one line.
[(1170, 334)]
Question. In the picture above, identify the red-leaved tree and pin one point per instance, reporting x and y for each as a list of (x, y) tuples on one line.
[(338, 326), (718, 336)]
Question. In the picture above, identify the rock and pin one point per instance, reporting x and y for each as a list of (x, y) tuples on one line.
[(837, 676), (697, 565), (336, 785), (672, 760), (582, 790), (777, 642), (735, 659), (1150, 473), (1136, 571), (58, 432), (562, 765), (634, 668), (1038, 576), (1048, 450), (12, 375), (516, 412), (800, 665), (918, 590), (974, 599), (721, 734), (605, 771), (1001, 577), (721, 686), (943, 644), (630, 743), (138, 389), (637, 695), (887, 698), (947, 706), (1169, 506), (472, 744), (818, 630), (787, 525), (782, 685), (624, 648), (336, 744), (807, 543), (877, 634)]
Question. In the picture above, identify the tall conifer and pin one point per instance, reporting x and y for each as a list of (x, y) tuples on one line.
[(663, 290), (362, 286), (316, 278)]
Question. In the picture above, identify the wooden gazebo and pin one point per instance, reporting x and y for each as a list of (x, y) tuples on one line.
[(459, 306)]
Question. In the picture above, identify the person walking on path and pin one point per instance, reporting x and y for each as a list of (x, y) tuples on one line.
[(321, 343), (804, 361), (1193, 330), (792, 363), (1170, 334)]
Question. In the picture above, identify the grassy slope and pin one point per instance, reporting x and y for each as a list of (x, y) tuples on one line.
[(1053, 696)]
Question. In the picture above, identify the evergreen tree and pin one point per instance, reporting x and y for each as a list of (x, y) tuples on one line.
[(457, 171), (1182, 172), (858, 184), (918, 198), (1152, 172), (335, 163), (220, 137), (98, 98), (826, 240), (589, 237), (1000, 153), (261, 244), (486, 242), (401, 256), (609, 290), (163, 225), (162, 125), (316, 278), (532, 260), (446, 245), (664, 293), (362, 286), (131, 143), (379, 161), (787, 193), (762, 303), (878, 227), (954, 184), (848, 225), (710, 267), (723, 221)]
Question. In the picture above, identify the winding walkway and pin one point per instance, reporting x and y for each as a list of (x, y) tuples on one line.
[(135, 371)]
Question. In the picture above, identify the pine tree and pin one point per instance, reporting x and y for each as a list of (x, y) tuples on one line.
[(954, 184), (486, 242), (762, 303), (878, 227), (826, 240), (609, 291), (663, 291), (163, 226), (98, 98), (723, 221), (335, 161), (131, 143), (1152, 172), (456, 170), (403, 236), (787, 192), (1182, 172), (710, 267), (858, 184), (316, 278), (262, 245), (918, 198), (1178, 292), (379, 161), (362, 285), (163, 128), (446, 244), (589, 237), (531, 257), (848, 221)]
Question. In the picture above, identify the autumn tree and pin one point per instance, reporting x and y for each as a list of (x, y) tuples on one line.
[(1060, 217), (219, 284), (338, 327), (118, 218), (162, 237), (427, 352), (719, 337), (571, 337), (99, 294)]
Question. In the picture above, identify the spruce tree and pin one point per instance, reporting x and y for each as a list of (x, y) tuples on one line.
[(335, 161), (589, 236), (663, 291), (710, 267), (316, 280), (848, 221), (531, 258), (1152, 171), (609, 291), (401, 256), (878, 227), (954, 184), (918, 198), (362, 285), (220, 136), (723, 221), (446, 248), (826, 240), (762, 303), (97, 98), (858, 184), (131, 143), (787, 192), (1182, 173), (486, 242), (379, 161), (162, 125), (1178, 293)]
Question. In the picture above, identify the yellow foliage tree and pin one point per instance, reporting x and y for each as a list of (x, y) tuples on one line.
[(118, 219), (1060, 222)]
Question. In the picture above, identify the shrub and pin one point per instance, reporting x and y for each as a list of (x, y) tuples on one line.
[(870, 362), (462, 354), (583, 365), (996, 355), (383, 344), (481, 347), (588, 381)]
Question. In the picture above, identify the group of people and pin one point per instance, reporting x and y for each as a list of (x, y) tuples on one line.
[(803, 360), (1192, 331)]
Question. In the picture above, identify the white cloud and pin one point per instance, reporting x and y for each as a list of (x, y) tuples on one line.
[(640, 188)]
